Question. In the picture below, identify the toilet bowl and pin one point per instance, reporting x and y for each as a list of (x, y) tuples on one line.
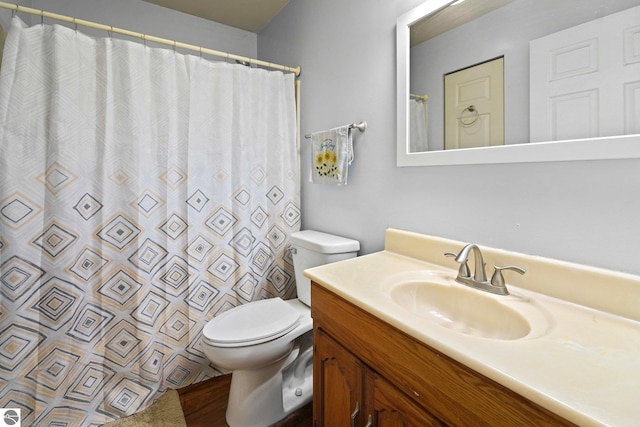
[(268, 344)]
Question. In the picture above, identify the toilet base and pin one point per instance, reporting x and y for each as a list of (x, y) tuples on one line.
[(261, 397)]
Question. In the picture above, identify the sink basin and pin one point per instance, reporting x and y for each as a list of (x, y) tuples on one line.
[(440, 299)]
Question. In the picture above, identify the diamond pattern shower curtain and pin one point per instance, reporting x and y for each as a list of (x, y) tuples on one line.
[(141, 193)]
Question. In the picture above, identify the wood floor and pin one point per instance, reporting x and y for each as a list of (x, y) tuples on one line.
[(205, 403)]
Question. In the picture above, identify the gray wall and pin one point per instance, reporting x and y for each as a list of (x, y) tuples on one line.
[(586, 212)]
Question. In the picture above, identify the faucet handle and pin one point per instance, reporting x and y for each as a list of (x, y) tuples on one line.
[(498, 279), (463, 271)]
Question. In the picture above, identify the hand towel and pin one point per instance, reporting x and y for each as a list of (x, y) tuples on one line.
[(331, 155)]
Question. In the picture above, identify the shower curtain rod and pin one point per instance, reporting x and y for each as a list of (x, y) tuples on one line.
[(420, 97), (145, 37)]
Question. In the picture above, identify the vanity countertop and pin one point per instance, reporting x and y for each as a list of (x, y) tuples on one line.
[(584, 365)]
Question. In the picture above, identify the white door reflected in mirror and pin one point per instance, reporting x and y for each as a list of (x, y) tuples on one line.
[(573, 95), (474, 106)]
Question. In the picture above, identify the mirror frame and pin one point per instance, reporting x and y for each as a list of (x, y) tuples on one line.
[(606, 148)]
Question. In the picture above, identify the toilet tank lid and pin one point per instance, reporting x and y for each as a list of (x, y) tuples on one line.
[(323, 242)]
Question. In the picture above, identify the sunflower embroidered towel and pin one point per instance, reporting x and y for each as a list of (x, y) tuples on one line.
[(331, 155)]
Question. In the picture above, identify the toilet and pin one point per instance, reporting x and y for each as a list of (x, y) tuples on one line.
[(268, 344)]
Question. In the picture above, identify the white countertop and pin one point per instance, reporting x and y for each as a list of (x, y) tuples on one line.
[(584, 365)]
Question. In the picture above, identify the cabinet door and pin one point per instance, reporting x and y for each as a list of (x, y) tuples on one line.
[(388, 407), (337, 385)]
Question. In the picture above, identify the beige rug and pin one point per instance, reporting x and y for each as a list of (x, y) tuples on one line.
[(165, 412)]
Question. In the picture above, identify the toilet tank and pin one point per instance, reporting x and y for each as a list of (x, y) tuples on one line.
[(311, 248)]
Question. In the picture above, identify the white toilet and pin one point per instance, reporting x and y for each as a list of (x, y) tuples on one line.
[(268, 343)]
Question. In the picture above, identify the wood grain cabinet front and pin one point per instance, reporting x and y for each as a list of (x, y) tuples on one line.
[(367, 373), (352, 394), (388, 407), (339, 379)]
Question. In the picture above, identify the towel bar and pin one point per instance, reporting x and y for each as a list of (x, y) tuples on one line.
[(360, 126)]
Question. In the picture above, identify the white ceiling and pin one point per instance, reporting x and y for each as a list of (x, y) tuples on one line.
[(451, 17), (249, 15), (254, 15)]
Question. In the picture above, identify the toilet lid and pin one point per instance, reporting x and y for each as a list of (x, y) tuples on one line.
[(252, 323)]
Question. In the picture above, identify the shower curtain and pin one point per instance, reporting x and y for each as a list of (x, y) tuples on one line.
[(418, 118), (142, 192)]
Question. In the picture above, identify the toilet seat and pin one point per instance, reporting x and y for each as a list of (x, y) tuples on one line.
[(252, 323)]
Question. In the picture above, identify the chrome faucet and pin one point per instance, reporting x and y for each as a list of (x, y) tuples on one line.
[(479, 278), (479, 273)]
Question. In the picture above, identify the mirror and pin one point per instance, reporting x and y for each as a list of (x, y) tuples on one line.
[(477, 42)]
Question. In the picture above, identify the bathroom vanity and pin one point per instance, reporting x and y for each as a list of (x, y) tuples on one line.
[(385, 357), (366, 367)]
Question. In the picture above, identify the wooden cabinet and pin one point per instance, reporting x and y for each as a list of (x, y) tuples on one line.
[(368, 373), (352, 394), (340, 382), (386, 406)]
